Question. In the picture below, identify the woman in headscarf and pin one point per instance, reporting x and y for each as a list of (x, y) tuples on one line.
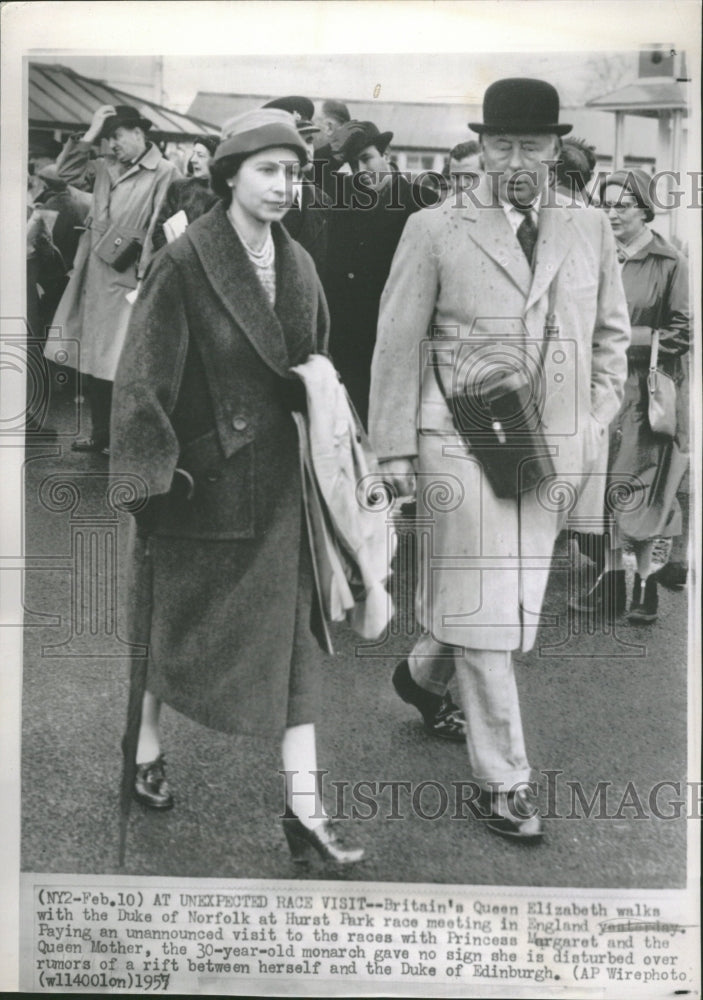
[(222, 581), (645, 468)]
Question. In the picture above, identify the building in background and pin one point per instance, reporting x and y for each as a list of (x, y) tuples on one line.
[(61, 102), (659, 96), (423, 134)]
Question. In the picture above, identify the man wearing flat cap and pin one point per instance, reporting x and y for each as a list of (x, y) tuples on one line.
[(500, 279), (127, 185)]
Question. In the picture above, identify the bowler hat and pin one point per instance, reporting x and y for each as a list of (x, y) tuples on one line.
[(637, 182), (299, 107), (520, 104), (125, 116), (246, 134), (360, 135)]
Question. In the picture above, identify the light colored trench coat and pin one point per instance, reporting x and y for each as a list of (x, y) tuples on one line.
[(460, 272), (90, 324)]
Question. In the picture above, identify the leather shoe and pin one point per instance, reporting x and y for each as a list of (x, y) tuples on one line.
[(323, 839), (607, 596), (512, 814), (673, 576), (448, 722), (441, 717), (151, 786)]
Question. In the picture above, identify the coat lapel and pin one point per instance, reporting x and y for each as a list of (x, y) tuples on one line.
[(296, 299), (488, 227), (233, 279), (554, 238)]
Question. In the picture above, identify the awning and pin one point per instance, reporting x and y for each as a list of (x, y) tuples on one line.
[(648, 97), (62, 100)]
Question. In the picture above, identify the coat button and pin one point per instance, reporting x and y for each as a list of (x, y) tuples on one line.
[(239, 424), (351, 275)]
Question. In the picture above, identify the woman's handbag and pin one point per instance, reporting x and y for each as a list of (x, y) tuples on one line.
[(661, 408)]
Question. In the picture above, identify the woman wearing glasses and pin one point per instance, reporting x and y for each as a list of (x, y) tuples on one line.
[(222, 579), (655, 279)]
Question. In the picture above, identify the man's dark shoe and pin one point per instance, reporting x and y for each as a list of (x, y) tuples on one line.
[(607, 597), (440, 715), (513, 815), (151, 786), (673, 576), (448, 723)]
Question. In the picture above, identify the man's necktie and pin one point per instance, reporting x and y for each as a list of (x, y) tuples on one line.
[(527, 235)]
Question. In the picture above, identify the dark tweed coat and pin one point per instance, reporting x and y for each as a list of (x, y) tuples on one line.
[(203, 386)]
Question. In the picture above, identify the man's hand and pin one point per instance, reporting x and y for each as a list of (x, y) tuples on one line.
[(104, 111), (399, 473)]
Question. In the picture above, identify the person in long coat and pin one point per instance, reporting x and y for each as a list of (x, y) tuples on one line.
[(370, 207), (127, 185), (645, 468), (471, 283), (202, 419)]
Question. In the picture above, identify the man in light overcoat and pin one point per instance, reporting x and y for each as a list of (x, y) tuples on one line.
[(128, 186), (475, 279)]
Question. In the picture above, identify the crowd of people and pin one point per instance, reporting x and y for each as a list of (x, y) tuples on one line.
[(191, 299)]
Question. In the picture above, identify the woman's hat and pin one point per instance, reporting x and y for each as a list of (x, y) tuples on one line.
[(210, 142), (125, 116), (520, 104), (254, 130), (637, 182)]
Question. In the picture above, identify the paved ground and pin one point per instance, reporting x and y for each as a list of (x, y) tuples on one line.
[(596, 707)]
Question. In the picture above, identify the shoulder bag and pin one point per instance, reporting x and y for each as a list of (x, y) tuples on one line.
[(500, 420)]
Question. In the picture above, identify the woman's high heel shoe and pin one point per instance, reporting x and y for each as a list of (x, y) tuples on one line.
[(323, 839), (608, 595)]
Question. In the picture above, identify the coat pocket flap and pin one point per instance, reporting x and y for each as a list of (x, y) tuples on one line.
[(211, 450)]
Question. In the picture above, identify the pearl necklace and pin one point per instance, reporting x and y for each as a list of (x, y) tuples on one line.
[(260, 258)]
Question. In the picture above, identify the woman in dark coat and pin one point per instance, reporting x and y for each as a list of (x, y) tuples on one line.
[(655, 278), (191, 194), (222, 587)]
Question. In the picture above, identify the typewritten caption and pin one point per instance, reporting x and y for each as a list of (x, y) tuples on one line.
[(172, 939)]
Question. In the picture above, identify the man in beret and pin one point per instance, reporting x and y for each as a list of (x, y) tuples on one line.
[(505, 276), (127, 185)]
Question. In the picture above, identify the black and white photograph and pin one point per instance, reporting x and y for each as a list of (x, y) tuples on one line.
[(351, 449)]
